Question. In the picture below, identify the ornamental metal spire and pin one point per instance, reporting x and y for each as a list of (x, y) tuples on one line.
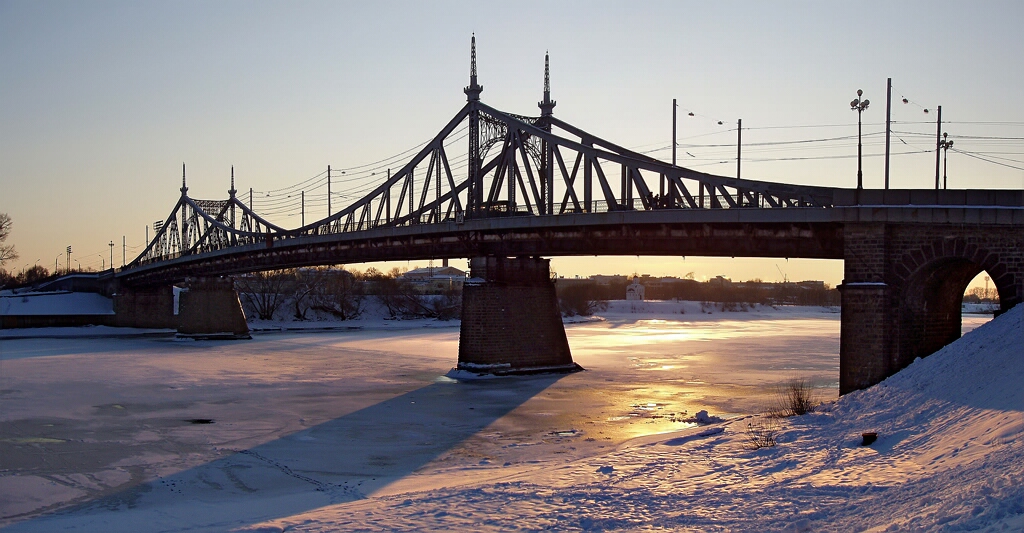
[(547, 105), (474, 89), (232, 190), (547, 75), (184, 189)]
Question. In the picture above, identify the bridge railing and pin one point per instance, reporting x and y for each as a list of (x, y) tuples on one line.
[(928, 197)]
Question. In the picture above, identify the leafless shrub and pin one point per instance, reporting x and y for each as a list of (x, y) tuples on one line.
[(763, 432), (795, 398)]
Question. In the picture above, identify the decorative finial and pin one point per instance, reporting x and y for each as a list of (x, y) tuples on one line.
[(472, 60), (547, 105), (184, 188), (474, 89), (232, 190), (547, 76)]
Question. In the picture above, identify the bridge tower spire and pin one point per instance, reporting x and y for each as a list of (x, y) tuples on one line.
[(474, 89), (232, 192), (184, 188), (476, 186), (547, 105)]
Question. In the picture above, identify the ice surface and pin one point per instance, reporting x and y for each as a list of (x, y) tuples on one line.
[(358, 430)]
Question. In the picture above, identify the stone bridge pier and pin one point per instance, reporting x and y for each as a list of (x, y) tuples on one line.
[(511, 323), (903, 289), (206, 308)]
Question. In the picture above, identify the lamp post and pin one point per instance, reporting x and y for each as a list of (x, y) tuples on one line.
[(945, 145), (859, 106)]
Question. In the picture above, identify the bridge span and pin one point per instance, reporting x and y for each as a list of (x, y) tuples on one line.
[(908, 254)]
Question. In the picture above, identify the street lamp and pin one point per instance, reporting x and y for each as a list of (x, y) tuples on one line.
[(859, 106), (945, 145)]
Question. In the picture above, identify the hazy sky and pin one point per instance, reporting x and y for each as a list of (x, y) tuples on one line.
[(102, 101)]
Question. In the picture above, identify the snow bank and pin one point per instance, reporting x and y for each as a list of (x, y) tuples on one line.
[(948, 458)]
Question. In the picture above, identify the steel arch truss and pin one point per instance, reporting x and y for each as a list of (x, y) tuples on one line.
[(523, 166), (197, 226)]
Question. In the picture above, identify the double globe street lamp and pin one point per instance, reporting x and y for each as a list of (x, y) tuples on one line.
[(859, 106), (945, 145)]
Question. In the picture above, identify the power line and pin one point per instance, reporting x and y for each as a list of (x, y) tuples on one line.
[(969, 154)]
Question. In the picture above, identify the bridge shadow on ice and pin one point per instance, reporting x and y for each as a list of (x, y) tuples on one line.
[(341, 460)]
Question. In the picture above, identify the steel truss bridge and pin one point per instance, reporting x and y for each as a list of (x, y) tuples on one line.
[(534, 186)]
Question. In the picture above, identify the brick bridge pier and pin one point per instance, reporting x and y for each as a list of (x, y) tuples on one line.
[(903, 289)]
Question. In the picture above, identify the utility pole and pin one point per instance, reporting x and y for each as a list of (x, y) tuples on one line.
[(124, 249), (673, 132), (938, 146), (303, 208), (739, 145), (888, 126), (328, 190), (111, 254)]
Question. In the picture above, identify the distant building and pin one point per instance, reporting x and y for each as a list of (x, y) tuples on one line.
[(635, 291), (432, 279), (574, 282)]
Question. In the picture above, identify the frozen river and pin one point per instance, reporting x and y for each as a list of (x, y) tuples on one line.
[(305, 420)]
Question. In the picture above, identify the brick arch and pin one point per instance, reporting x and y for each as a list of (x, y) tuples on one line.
[(913, 261), (929, 282)]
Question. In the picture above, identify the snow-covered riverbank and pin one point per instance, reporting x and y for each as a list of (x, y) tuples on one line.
[(359, 430)]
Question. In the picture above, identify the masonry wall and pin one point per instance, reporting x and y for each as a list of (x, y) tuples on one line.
[(510, 318), (903, 286), (147, 307), (210, 307), (866, 328)]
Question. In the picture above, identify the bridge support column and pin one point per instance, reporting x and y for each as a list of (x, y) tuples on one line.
[(510, 319), (145, 307), (866, 328), (210, 309), (864, 335)]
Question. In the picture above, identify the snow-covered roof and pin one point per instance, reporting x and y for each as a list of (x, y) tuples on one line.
[(56, 303)]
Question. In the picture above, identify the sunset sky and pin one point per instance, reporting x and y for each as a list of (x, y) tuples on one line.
[(102, 101)]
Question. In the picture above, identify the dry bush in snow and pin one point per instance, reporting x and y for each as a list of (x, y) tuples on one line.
[(763, 432), (795, 398)]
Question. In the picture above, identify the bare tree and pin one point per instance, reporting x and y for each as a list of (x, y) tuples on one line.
[(448, 304), (32, 274), (389, 290), (7, 252), (305, 284), (265, 291), (336, 292), (580, 300)]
